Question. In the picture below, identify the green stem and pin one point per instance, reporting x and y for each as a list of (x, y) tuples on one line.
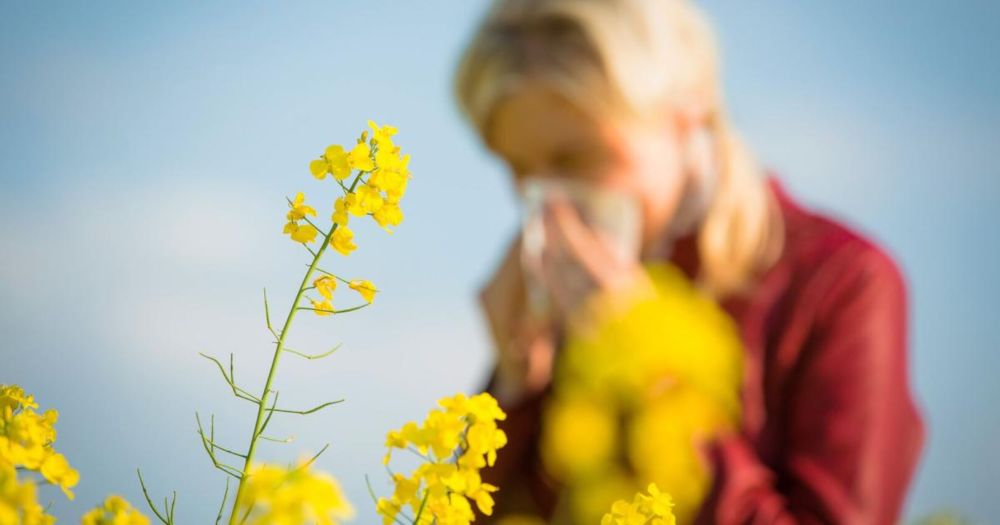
[(279, 347)]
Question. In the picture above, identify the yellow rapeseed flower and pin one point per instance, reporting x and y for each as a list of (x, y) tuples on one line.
[(457, 441), (18, 500), (299, 209), (14, 397), (342, 240), (369, 199), (365, 288), (114, 511), (277, 495), (334, 161), (382, 135), (322, 308), (305, 233), (654, 508), (325, 285), (360, 157)]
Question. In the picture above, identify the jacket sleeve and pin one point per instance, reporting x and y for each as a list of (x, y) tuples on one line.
[(850, 433)]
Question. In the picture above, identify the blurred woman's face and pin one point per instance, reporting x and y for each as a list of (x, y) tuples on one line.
[(540, 133)]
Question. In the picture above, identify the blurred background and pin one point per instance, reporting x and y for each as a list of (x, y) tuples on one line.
[(146, 149)]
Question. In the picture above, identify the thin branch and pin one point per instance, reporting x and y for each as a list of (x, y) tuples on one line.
[(313, 356), (222, 507), (237, 391), (305, 412), (210, 450), (314, 458), (267, 419), (267, 316), (288, 439), (149, 500), (343, 311), (422, 505)]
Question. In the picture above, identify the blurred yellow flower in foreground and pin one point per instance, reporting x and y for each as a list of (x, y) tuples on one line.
[(114, 511), (276, 495), (18, 500), (641, 380)]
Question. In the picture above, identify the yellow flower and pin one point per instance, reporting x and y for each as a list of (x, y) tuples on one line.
[(388, 215), (305, 234), (360, 157), (57, 471), (342, 240), (18, 500), (641, 412), (382, 135), (115, 511), (465, 428), (299, 209), (14, 397), (365, 288), (392, 174), (274, 494), (325, 285), (654, 509), (348, 204), (322, 308), (579, 437), (340, 216), (333, 161), (369, 198)]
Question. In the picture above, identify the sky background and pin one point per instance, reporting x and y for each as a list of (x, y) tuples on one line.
[(146, 149)]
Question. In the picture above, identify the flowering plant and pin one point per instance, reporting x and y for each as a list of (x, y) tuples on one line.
[(371, 177)]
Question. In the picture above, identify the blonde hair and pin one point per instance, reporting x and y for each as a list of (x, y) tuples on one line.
[(628, 59)]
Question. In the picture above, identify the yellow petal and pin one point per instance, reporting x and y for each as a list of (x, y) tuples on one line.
[(365, 288)]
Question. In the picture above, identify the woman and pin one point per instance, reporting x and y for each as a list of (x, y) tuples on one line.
[(624, 94)]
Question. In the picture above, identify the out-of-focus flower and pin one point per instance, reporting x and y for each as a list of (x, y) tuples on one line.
[(114, 511), (639, 383), (18, 500), (276, 495)]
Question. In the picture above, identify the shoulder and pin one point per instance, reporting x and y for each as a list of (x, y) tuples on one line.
[(833, 266)]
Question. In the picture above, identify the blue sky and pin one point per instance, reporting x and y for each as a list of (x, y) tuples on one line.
[(145, 150)]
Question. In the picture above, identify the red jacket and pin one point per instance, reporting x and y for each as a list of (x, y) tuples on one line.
[(830, 432)]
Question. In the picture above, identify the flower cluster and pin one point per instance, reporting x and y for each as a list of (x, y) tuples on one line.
[(276, 495), (26, 444), (634, 390), (455, 442), (378, 187), (382, 175), (654, 508), (114, 511)]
